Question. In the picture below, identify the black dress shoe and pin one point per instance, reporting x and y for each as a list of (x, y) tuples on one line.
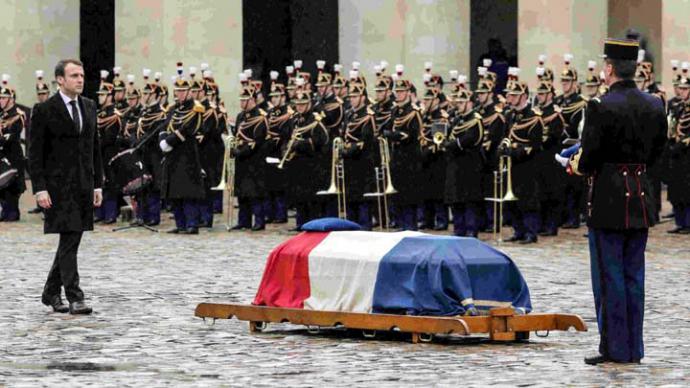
[(35, 210), (238, 227), (58, 306), (206, 225), (256, 228), (675, 230), (152, 223), (669, 215), (79, 308), (597, 359), (528, 240), (192, 230), (109, 221), (173, 231), (684, 231), (548, 233), (514, 238), (570, 226), (281, 221)]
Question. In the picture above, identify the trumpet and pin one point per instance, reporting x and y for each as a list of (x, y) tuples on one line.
[(382, 177), (337, 185), (439, 137), (227, 181)]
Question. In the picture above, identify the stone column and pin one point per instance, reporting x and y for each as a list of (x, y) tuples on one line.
[(410, 32), (554, 28)]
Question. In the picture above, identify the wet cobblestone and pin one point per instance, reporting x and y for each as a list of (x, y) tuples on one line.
[(144, 288)]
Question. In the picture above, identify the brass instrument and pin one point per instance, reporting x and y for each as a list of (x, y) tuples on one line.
[(382, 177), (505, 166), (337, 185), (227, 181), (296, 135), (439, 137)]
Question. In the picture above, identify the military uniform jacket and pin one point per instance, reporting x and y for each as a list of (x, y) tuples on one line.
[(211, 147), (110, 130), (679, 156), (152, 119), (358, 154), (526, 132), (304, 168), (464, 159), (250, 154), (433, 159), (382, 115), (406, 163), (66, 162), (494, 124), (12, 124), (624, 133), (550, 174), (279, 120), (181, 176), (573, 111), (331, 108)]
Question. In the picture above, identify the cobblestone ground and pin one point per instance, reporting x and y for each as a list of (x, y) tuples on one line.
[(144, 288)]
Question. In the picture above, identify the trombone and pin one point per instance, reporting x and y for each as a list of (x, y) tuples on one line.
[(505, 166), (382, 177), (337, 185), (227, 178)]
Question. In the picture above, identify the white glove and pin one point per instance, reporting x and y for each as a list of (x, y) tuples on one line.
[(165, 147), (563, 161)]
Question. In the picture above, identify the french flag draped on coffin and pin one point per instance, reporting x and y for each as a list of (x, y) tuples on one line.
[(407, 273)]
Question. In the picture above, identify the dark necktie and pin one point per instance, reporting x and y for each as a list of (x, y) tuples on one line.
[(75, 116)]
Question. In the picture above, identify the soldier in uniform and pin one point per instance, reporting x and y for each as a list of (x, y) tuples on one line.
[(526, 129), (403, 138), (434, 210), (464, 162), (250, 165), (151, 122), (358, 155), (130, 118), (494, 124), (340, 86), (279, 119), (679, 159), (573, 110), (109, 126), (181, 174), (624, 133), (12, 124), (119, 87), (211, 149), (213, 93), (550, 175), (308, 140), (592, 85)]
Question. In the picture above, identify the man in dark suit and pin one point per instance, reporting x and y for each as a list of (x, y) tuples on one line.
[(67, 176), (623, 138)]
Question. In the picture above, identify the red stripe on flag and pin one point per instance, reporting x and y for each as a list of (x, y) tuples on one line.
[(285, 282)]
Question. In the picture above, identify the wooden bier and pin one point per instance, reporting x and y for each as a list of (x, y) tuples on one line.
[(502, 324)]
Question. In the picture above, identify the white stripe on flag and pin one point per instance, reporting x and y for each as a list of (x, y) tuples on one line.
[(343, 269)]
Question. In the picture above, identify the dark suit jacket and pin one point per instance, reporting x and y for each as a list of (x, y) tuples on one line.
[(65, 162)]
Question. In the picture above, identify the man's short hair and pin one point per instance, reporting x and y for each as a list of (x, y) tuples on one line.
[(60, 67), (623, 69)]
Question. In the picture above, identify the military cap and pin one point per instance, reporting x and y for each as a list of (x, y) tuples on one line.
[(592, 78), (485, 86), (623, 49), (382, 84), (181, 84), (152, 88), (544, 86), (357, 89), (106, 88), (41, 87), (568, 73), (430, 94), (684, 83), (247, 92), (463, 95), (517, 87)]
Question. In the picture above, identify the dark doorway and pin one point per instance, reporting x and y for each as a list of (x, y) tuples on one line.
[(277, 31), (493, 34), (97, 40)]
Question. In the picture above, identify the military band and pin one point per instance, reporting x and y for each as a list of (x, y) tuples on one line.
[(439, 156)]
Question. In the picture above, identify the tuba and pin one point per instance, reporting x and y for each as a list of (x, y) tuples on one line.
[(382, 177), (227, 181), (337, 185)]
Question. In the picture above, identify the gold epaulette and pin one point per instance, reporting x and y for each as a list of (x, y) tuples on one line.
[(416, 107), (262, 112), (371, 101), (340, 100), (198, 107), (290, 111), (536, 111), (317, 116), (444, 114), (557, 109), (477, 116), (498, 109), (21, 111), (370, 111)]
